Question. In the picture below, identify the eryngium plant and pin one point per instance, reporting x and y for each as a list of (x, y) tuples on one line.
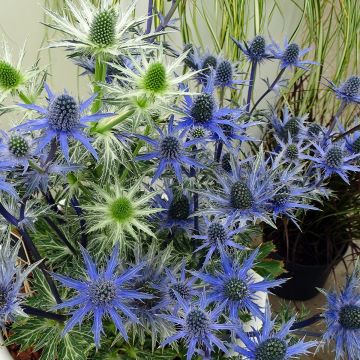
[(144, 234)]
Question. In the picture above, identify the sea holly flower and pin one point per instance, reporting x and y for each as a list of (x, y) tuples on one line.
[(269, 344), (342, 317), (171, 150), (103, 30), (348, 91), (224, 75), (102, 292), (176, 207), (290, 151), (150, 280), (16, 149), (352, 140), (118, 211), (175, 282), (203, 111), (12, 276), (255, 50), (12, 77), (291, 55), (198, 327), (235, 286), (333, 160), (218, 233), (151, 79), (62, 119), (245, 192)]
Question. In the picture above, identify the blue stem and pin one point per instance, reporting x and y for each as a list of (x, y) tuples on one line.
[(218, 151), (150, 17), (251, 85), (75, 204)]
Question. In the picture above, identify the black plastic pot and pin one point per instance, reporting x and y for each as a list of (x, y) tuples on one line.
[(303, 280)]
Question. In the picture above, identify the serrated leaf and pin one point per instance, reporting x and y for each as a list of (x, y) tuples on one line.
[(75, 346)]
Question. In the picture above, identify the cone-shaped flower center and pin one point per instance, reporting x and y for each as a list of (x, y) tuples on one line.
[(197, 132), (170, 148), (271, 349), (282, 196), (224, 73), (292, 152), (225, 162), (257, 47), (9, 76), (351, 86), (121, 209), (356, 145), (217, 232), (240, 196), (18, 146), (102, 292), (349, 317), (209, 63), (314, 129), (292, 127), (102, 29), (291, 54), (197, 323), (64, 113), (155, 78), (179, 208), (182, 289), (334, 157), (203, 108), (235, 289)]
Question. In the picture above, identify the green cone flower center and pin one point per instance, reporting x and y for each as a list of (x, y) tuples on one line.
[(121, 209), (271, 349), (179, 208), (18, 146), (209, 63), (282, 196), (225, 162), (240, 196), (102, 29), (203, 108), (182, 289), (334, 157), (197, 322), (314, 129), (197, 132), (349, 317), (292, 127), (292, 152), (102, 292), (9, 76), (155, 78), (235, 289)]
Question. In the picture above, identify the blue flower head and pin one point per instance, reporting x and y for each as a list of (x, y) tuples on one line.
[(224, 75), (269, 344), (352, 140), (101, 293), (198, 327), (218, 233), (203, 111), (8, 188), (12, 276), (348, 91), (236, 286), (334, 159), (171, 149), (62, 119), (291, 55), (255, 50), (177, 209), (342, 317)]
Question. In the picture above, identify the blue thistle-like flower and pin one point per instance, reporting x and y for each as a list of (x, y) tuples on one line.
[(62, 119), (224, 75), (101, 293), (245, 192), (171, 150), (333, 159), (291, 151), (8, 188), (291, 55), (342, 317), (203, 111), (177, 209), (12, 276), (198, 326), (269, 344), (255, 50), (348, 91), (174, 282), (236, 286), (218, 233), (352, 140)]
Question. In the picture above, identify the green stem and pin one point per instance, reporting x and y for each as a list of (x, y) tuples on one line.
[(102, 128), (136, 152), (36, 167), (24, 98), (100, 74)]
